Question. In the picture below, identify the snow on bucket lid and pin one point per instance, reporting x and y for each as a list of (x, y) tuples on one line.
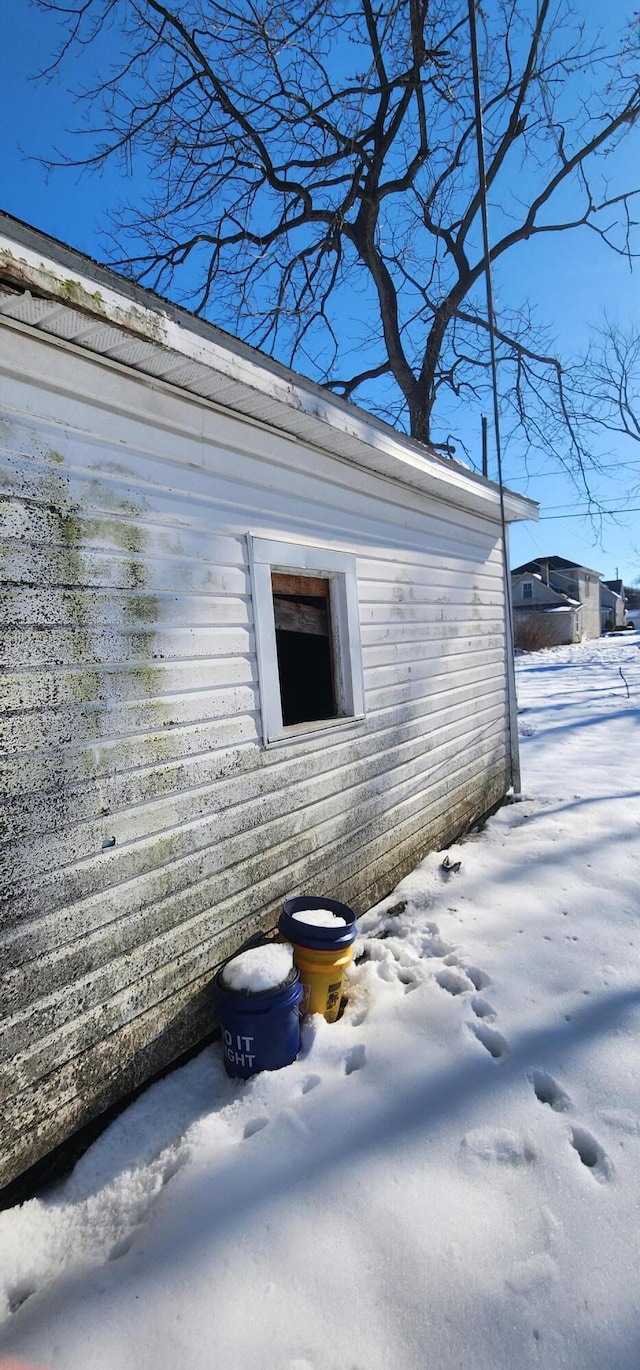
[(258, 969), (312, 920), (319, 918)]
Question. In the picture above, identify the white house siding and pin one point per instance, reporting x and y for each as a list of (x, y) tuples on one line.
[(130, 709), (588, 592), (612, 610)]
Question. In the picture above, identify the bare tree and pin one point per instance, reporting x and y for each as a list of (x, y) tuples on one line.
[(314, 184), (610, 375)]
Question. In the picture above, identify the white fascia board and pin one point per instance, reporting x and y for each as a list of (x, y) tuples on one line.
[(371, 444)]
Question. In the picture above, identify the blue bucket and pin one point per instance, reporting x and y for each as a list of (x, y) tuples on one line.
[(260, 1031), (317, 939)]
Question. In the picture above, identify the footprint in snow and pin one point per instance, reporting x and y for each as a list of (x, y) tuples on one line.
[(498, 1146), (311, 1082), (435, 946), (432, 943), (591, 1153), (481, 1007), (355, 1059), (548, 1091), (492, 1041), (19, 1294), (479, 978), (253, 1126), (392, 965), (409, 978), (121, 1247), (386, 970), (452, 981)]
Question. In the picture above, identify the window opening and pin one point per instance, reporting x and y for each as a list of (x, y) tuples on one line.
[(307, 625), (304, 647), (527, 590)]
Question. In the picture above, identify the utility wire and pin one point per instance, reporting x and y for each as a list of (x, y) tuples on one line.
[(595, 513), (604, 470)]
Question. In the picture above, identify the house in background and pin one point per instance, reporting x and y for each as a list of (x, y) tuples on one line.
[(632, 602), (543, 617), (613, 605), (256, 643), (563, 597)]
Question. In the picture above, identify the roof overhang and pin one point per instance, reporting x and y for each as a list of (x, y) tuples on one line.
[(49, 287)]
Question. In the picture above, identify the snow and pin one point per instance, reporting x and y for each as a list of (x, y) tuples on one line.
[(259, 969), (319, 918), (449, 1175)]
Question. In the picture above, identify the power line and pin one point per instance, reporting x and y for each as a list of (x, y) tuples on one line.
[(594, 513), (602, 471), (593, 501)]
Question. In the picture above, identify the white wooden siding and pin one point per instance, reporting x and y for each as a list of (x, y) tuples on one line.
[(129, 709)]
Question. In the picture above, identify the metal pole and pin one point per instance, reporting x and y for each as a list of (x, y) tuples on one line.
[(482, 178)]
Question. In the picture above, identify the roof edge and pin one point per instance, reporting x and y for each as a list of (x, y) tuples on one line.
[(31, 260)]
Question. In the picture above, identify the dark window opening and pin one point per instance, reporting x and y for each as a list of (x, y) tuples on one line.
[(304, 644), (527, 590)]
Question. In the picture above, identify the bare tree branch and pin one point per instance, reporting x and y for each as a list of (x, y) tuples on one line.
[(309, 179)]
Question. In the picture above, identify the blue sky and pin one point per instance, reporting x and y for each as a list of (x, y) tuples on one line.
[(572, 279)]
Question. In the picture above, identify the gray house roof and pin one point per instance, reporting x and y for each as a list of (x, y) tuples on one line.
[(539, 564)]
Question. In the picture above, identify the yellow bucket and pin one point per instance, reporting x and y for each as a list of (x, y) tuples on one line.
[(322, 976), (321, 932)]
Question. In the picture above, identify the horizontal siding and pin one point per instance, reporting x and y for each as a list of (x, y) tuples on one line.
[(342, 788), (129, 709), (26, 607), (131, 647), (55, 903), (161, 799), (98, 1010), (258, 487), (90, 722)]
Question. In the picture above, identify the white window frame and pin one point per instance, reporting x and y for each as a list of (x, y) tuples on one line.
[(339, 568)]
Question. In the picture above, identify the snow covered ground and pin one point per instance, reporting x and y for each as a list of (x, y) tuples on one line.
[(447, 1177)]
